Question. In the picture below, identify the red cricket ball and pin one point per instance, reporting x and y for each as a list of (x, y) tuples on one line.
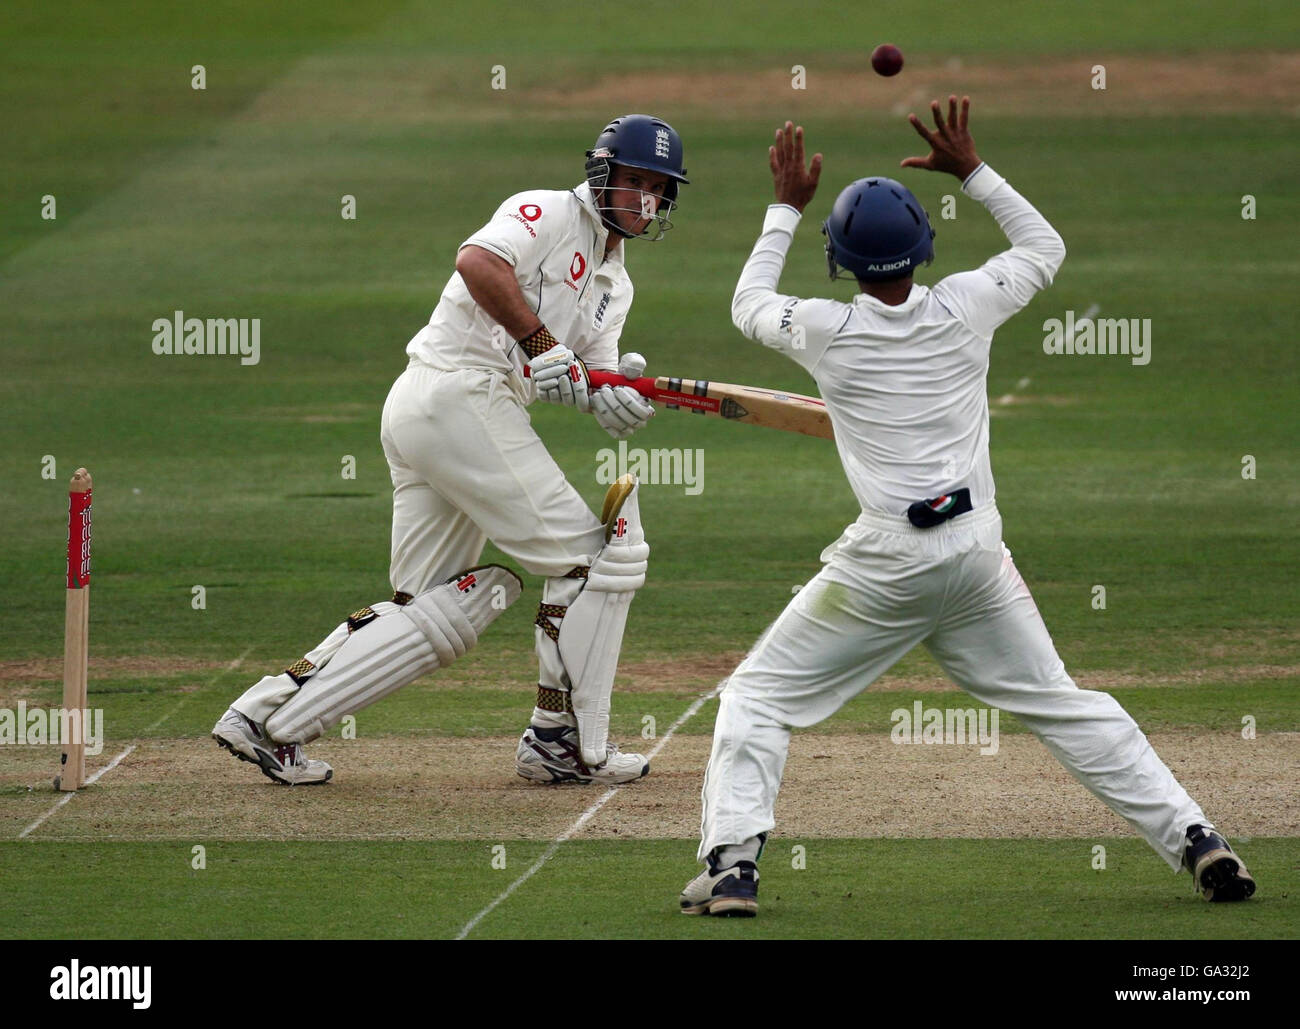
[(887, 59)]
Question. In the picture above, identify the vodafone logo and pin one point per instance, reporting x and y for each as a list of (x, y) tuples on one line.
[(579, 267), (531, 211)]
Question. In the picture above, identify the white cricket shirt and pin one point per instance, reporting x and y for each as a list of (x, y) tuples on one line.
[(905, 386), (555, 241)]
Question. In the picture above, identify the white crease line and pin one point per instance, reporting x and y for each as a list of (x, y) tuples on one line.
[(1088, 315), (914, 98), (185, 699), (586, 816), (1010, 398), (117, 760), (68, 796)]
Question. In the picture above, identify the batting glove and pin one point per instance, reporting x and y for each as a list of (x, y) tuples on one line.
[(561, 378), (621, 410)]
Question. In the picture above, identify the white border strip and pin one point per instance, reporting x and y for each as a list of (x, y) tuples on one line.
[(586, 816)]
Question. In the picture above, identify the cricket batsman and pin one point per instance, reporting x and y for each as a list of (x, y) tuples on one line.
[(539, 295), (903, 369)]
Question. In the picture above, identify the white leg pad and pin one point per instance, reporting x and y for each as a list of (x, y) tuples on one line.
[(395, 648), (591, 632), (261, 700)]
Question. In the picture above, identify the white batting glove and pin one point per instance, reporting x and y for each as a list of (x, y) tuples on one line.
[(621, 410), (631, 365), (561, 378)]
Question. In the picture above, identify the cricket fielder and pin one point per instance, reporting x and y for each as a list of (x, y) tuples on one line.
[(539, 294), (903, 371)]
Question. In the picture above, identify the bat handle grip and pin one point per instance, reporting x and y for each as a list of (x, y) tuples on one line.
[(646, 387)]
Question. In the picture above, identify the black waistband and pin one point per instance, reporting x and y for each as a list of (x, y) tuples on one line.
[(926, 514)]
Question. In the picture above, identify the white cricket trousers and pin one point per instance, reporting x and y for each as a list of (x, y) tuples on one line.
[(467, 467), (886, 587)]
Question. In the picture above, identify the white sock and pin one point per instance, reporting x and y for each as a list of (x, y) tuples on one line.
[(553, 719), (736, 852)]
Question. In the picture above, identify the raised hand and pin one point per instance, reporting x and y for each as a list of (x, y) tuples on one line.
[(951, 148), (795, 185)]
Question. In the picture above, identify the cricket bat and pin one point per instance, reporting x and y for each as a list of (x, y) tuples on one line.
[(753, 405)]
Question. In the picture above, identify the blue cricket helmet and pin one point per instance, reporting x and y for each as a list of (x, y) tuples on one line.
[(878, 231), (638, 141)]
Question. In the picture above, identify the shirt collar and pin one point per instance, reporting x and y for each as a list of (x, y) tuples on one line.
[(615, 257), (914, 299), (583, 192)]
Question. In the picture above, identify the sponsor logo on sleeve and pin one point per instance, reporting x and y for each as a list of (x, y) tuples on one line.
[(787, 313), (600, 311), (527, 213)]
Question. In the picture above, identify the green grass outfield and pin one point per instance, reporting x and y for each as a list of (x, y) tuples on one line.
[(225, 203), (850, 889)]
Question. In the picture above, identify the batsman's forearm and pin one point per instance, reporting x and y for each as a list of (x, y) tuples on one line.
[(492, 284)]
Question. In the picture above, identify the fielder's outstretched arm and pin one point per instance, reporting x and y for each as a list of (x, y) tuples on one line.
[(757, 310), (985, 298)]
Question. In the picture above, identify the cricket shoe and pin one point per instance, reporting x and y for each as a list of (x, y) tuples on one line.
[(554, 756), (285, 763), (1217, 871), (731, 891)]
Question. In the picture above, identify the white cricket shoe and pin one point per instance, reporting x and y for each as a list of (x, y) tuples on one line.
[(285, 763), (729, 892), (553, 755)]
